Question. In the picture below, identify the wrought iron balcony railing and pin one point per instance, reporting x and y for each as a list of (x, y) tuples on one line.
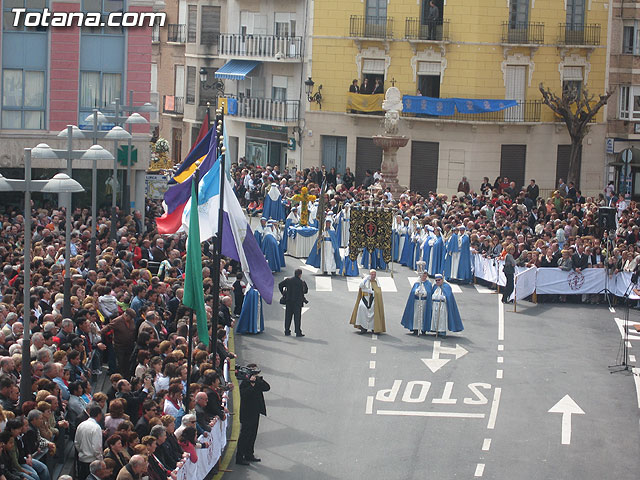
[(573, 34), (177, 33), (266, 109), (525, 33), (264, 46), (172, 104), (437, 31), (371, 27)]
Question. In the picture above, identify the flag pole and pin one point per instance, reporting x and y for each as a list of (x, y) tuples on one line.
[(195, 178), (218, 248)]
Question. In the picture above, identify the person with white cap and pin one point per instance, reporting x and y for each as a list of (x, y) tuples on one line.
[(368, 312), (259, 231), (444, 310), (417, 312), (452, 257), (271, 248), (436, 255)]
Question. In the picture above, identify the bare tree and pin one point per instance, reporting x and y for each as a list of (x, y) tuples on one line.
[(576, 109)]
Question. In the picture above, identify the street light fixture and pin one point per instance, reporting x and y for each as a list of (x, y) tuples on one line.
[(313, 97), (61, 183)]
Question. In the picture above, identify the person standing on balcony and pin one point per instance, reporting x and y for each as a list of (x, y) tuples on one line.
[(354, 88), (432, 20), (365, 89)]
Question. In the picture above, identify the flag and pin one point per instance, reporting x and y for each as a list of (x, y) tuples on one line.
[(176, 197), (193, 290), (238, 241), (195, 156)]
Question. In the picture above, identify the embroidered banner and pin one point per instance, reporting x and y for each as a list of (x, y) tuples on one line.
[(370, 230)]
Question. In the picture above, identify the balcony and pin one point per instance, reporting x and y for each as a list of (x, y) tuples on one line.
[(269, 47), (172, 105), (371, 27), (177, 33), (527, 111), (264, 109), (522, 33), (415, 30), (571, 34)]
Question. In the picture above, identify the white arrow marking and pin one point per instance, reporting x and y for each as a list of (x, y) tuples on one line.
[(304, 309), (567, 407), (435, 363)]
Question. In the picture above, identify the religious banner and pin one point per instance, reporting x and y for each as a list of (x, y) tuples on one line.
[(448, 106), (358, 102), (555, 281), (370, 229)]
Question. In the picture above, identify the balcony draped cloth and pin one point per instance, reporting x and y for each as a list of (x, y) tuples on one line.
[(447, 106), (364, 103)]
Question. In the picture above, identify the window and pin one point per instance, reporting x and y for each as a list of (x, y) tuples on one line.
[(279, 88), (210, 25), (376, 9), (631, 38), (99, 90), (178, 89), (191, 86), (104, 7), (22, 99), (572, 81), (630, 102), (30, 5), (518, 13), (285, 25), (192, 23), (575, 14), (429, 79)]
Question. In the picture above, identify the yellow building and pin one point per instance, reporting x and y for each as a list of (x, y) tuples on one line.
[(467, 49)]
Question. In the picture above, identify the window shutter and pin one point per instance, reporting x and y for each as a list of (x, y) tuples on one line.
[(210, 25), (572, 73), (368, 157), (192, 25), (424, 167), (428, 68), (373, 65), (191, 85)]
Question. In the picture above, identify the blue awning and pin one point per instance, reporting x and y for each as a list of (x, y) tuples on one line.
[(236, 69)]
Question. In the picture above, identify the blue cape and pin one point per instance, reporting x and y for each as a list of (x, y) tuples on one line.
[(454, 322), (315, 256), (451, 247), (271, 251), (273, 208), (464, 266), (258, 235), (350, 267), (426, 253), (407, 316), (248, 322), (377, 262), (285, 234), (406, 257), (395, 245), (438, 257)]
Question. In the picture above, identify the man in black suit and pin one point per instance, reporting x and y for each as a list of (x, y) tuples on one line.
[(251, 407), (580, 260), (293, 289), (533, 191)]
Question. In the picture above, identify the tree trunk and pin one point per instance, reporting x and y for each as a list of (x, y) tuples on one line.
[(573, 174)]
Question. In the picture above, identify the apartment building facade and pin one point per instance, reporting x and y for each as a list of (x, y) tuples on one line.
[(54, 77), (469, 50)]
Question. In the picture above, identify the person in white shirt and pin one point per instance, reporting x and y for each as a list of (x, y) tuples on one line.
[(88, 441)]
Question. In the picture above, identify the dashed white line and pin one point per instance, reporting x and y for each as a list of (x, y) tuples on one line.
[(500, 348), (369, 409), (486, 445), (374, 337), (372, 381), (632, 358), (479, 470), (493, 415), (500, 359), (636, 379), (499, 374), (374, 350), (372, 364), (628, 344)]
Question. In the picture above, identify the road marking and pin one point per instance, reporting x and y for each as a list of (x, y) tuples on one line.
[(628, 344), (353, 283), (482, 289), (632, 358), (636, 380), (413, 280), (310, 268), (500, 320), (567, 407), (374, 337), (500, 348), (500, 359), (372, 364), (486, 445), (479, 470), (430, 414), (493, 415), (455, 288), (302, 312), (369, 409), (374, 350), (372, 381), (387, 284), (446, 395), (612, 310), (499, 374), (435, 363), (633, 335), (323, 284)]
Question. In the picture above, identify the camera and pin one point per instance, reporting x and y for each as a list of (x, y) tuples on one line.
[(245, 373)]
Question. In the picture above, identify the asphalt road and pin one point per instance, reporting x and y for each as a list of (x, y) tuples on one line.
[(473, 405)]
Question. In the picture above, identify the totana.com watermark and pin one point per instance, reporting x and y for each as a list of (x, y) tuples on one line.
[(46, 18)]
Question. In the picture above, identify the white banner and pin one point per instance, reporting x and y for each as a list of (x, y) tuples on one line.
[(489, 269), (524, 283), (555, 281)]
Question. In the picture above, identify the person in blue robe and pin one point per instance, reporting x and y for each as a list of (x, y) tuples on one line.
[(349, 267), (259, 231), (271, 249), (464, 264), (406, 257), (395, 238), (417, 240), (251, 318), (292, 219), (426, 247), (364, 261), (417, 312), (377, 260), (444, 309), (327, 258), (273, 207), (436, 261), (452, 255)]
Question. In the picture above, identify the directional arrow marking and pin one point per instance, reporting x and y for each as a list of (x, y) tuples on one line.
[(304, 309), (435, 363), (567, 407)]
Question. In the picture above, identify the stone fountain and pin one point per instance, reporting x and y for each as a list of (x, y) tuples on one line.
[(391, 141)]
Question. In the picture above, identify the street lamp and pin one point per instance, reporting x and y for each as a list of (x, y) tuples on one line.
[(60, 183), (44, 151), (313, 97), (134, 119)]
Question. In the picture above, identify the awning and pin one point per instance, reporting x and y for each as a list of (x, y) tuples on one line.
[(635, 158), (236, 69)]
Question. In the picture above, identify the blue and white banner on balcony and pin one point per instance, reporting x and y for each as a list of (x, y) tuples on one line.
[(232, 106), (448, 106)]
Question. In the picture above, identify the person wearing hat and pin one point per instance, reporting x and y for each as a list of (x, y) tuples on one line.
[(444, 310), (436, 255), (368, 312), (417, 312), (325, 254), (461, 260), (259, 231), (271, 247)]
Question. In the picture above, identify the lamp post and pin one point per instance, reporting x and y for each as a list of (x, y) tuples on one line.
[(134, 119), (60, 183), (44, 151), (313, 97)]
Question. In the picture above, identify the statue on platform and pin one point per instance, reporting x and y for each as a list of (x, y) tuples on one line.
[(304, 198), (392, 105)]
